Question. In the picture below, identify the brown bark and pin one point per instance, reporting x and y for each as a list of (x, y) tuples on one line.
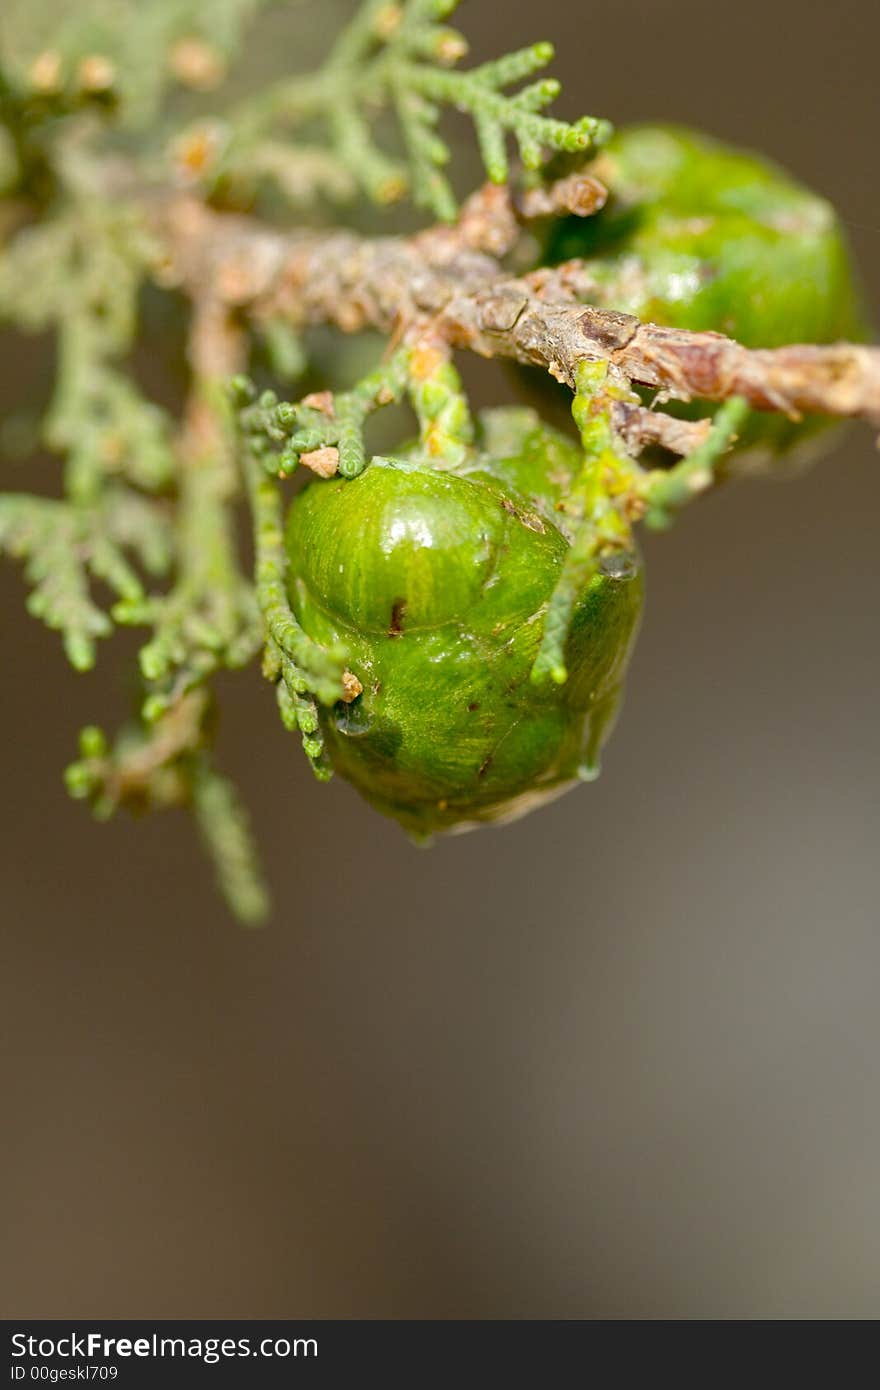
[(444, 281)]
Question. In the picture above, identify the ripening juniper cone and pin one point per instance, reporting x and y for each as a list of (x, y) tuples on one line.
[(437, 583), (699, 235)]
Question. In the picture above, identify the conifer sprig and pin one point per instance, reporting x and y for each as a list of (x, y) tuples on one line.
[(401, 55)]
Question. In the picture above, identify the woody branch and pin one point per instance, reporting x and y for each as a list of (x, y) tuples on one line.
[(454, 278)]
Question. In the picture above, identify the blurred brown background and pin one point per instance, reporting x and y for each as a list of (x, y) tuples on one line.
[(620, 1059)]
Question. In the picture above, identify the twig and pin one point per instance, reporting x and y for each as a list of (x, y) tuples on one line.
[(356, 282)]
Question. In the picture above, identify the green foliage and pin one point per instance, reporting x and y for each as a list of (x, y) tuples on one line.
[(165, 765), (302, 670), (80, 274), (118, 55), (279, 435), (141, 498), (65, 544), (400, 55), (447, 691)]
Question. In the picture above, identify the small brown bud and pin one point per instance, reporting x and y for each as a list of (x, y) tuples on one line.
[(96, 73), (45, 71), (197, 64), (351, 687), (196, 151), (579, 194), (324, 462), (391, 189), (387, 21), (320, 400), (424, 362), (350, 317), (449, 47)]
